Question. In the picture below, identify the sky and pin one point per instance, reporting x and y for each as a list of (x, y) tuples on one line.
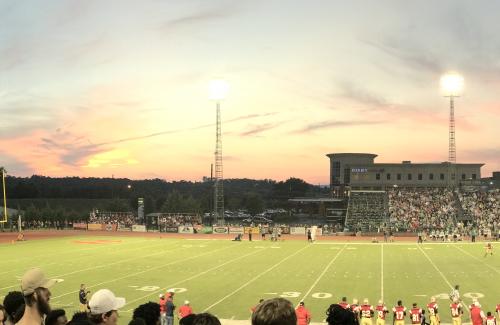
[(120, 88)]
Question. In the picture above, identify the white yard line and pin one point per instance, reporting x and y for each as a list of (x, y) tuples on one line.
[(104, 265), (477, 259), (382, 271), (149, 269), (255, 278), (439, 271), (192, 277), (322, 273)]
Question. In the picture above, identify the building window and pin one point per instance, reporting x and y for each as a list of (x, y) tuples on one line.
[(431, 176), (409, 177), (419, 177), (388, 177), (463, 176), (347, 175), (398, 176), (441, 176), (377, 176), (336, 172), (473, 176)]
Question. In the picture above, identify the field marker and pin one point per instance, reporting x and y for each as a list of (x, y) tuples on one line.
[(98, 266), (254, 278), (322, 273), (478, 259), (192, 277), (144, 271)]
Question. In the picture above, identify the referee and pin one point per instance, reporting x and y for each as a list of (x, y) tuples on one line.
[(82, 296)]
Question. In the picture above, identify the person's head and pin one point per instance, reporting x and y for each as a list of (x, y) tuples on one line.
[(400, 303), (149, 312), (423, 312), (35, 288), (301, 304), (355, 301), (186, 302), (187, 320), (162, 296), (56, 317), (337, 315), (261, 301), (380, 302), (455, 300), (12, 301), (365, 301), (137, 321), (433, 299), (206, 319), (344, 299), (414, 305), (457, 287), (488, 314), (276, 311), (104, 307)]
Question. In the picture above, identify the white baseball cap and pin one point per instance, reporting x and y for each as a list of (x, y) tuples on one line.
[(104, 301), (186, 302)]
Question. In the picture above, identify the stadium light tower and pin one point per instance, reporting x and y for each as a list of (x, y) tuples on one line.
[(4, 219), (452, 85), (218, 90)]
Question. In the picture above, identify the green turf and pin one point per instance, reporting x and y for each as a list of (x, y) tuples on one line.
[(227, 278)]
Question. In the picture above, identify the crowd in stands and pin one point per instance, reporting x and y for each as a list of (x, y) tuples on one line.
[(484, 210), (178, 219), (422, 209), (123, 218), (31, 306)]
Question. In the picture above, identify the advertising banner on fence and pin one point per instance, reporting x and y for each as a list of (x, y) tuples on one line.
[(254, 230), (285, 230), (220, 230), (206, 230), (171, 229), (80, 226), (236, 230), (95, 226), (110, 227), (297, 230), (186, 230), (139, 228)]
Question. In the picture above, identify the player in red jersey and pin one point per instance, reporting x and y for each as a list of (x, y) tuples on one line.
[(381, 312), (476, 314), (366, 311), (415, 314), (432, 307), (489, 250), (355, 309), (456, 312), (399, 313), (344, 303), (498, 311), (490, 319)]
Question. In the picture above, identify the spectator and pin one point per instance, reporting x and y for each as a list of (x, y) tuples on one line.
[(163, 315), (277, 311), (3, 315), (137, 321), (338, 315), (12, 302), (56, 317), (188, 320), (104, 307), (35, 288), (149, 312), (169, 310), (205, 319), (185, 310)]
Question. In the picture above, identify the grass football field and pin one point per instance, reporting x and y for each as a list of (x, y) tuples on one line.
[(227, 278)]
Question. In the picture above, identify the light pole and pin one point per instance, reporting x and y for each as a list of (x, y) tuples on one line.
[(218, 90), (452, 85), (4, 219)]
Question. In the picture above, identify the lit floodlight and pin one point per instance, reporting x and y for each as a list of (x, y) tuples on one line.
[(452, 84), (218, 89)]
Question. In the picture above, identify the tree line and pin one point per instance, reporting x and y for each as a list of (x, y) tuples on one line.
[(74, 197)]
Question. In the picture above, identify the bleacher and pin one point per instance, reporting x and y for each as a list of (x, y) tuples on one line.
[(366, 210)]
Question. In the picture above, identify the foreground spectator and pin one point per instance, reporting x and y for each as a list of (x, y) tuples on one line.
[(339, 315), (149, 312), (303, 315), (188, 320), (205, 319), (277, 311), (35, 288), (56, 317), (13, 301), (104, 307), (3, 314), (185, 310)]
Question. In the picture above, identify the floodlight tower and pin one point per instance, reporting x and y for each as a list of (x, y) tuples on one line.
[(218, 91), (452, 84)]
